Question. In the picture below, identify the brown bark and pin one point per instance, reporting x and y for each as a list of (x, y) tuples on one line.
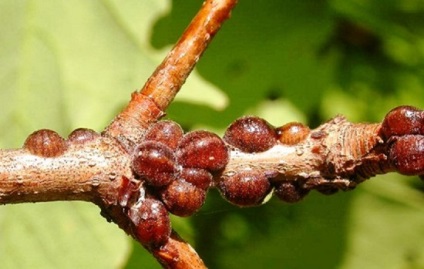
[(150, 103)]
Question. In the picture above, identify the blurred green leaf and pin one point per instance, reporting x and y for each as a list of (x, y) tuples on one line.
[(59, 235), (386, 217), (266, 50)]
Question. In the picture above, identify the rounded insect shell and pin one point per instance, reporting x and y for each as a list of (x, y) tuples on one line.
[(155, 163), (251, 134), (289, 192), (151, 223), (403, 120), (202, 149), (407, 154), (245, 188), (292, 133), (200, 178), (45, 143), (167, 132), (183, 198), (82, 135)]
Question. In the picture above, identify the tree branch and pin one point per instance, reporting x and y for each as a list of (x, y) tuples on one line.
[(149, 104), (336, 155), (86, 166), (87, 172)]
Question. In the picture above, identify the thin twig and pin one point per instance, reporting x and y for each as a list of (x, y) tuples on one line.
[(176, 247), (149, 104)]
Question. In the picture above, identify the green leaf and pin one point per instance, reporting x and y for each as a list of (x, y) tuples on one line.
[(59, 235), (266, 50), (386, 226)]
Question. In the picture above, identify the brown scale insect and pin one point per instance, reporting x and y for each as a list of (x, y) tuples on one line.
[(292, 133), (200, 178), (152, 226), (202, 149), (167, 132), (182, 198), (82, 135), (251, 134), (407, 154), (403, 120), (289, 191), (245, 188), (155, 163), (45, 143), (403, 128)]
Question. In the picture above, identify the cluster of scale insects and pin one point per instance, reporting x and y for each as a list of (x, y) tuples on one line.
[(173, 171)]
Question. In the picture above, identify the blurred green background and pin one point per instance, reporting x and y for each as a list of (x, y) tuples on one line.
[(69, 64)]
